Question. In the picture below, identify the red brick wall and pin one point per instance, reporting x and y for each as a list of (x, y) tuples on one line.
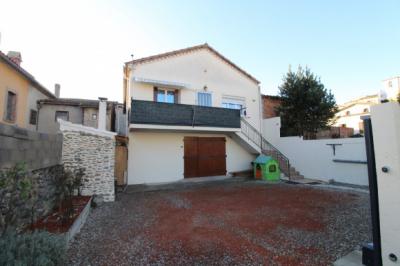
[(269, 105)]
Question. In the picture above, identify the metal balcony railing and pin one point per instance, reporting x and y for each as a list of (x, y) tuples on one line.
[(267, 148)]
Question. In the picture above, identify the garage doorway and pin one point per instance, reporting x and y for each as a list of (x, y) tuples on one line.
[(204, 156)]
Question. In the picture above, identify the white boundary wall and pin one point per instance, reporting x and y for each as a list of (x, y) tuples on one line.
[(385, 119), (314, 158)]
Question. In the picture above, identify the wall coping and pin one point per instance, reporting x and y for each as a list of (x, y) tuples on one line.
[(68, 126)]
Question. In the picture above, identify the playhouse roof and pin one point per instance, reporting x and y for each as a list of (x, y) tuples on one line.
[(263, 159)]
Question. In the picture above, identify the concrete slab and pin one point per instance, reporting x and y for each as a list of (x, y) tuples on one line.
[(354, 258)]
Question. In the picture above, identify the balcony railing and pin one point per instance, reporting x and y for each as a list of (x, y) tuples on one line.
[(148, 112)]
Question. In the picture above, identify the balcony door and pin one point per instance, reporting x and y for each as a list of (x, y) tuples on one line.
[(163, 95)]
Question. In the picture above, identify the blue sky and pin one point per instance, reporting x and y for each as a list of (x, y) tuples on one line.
[(351, 45)]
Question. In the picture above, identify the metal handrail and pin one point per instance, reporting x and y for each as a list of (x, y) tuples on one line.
[(266, 147)]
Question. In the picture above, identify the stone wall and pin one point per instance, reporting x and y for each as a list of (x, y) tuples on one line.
[(93, 150), (41, 154)]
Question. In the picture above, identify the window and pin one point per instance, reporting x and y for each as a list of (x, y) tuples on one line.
[(237, 104), (166, 96), (11, 110), (94, 116), (33, 117), (64, 115), (348, 113), (204, 99), (390, 84), (366, 110)]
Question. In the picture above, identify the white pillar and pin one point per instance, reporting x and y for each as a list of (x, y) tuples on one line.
[(386, 133), (102, 117)]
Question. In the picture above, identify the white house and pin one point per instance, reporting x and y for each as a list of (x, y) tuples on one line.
[(391, 89), (350, 113), (192, 112)]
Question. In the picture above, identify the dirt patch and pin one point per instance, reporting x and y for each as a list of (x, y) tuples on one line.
[(245, 223)]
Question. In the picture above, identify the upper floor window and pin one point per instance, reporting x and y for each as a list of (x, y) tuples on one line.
[(165, 95), (366, 110), (204, 99), (33, 117), (11, 107), (347, 112), (64, 115), (390, 84), (234, 104)]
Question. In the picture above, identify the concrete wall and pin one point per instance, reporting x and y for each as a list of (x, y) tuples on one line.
[(42, 155), (198, 69), (93, 150), (158, 156), (36, 149), (314, 158), (47, 122), (386, 134)]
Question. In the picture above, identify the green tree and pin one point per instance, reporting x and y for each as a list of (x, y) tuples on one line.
[(307, 105)]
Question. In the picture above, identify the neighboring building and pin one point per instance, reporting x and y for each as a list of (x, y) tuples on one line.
[(78, 111), (270, 105), (185, 109), (391, 89), (350, 113), (19, 92)]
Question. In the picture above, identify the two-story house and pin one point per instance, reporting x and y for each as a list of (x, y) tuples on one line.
[(192, 113), (19, 93)]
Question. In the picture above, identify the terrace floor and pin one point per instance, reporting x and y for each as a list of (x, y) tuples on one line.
[(225, 223)]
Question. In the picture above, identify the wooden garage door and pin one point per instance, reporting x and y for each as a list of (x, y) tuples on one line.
[(204, 156)]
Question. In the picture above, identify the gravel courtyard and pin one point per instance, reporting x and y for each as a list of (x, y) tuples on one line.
[(248, 223)]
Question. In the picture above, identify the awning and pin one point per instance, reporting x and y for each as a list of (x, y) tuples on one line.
[(162, 83)]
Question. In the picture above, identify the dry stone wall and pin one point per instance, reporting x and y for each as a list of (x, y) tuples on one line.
[(93, 150)]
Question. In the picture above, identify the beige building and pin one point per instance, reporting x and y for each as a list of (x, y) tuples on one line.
[(350, 113), (78, 111), (190, 113), (19, 93)]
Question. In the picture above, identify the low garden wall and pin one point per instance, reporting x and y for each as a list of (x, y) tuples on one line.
[(41, 155), (93, 150)]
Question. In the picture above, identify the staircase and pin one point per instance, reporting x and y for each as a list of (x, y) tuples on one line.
[(255, 137)]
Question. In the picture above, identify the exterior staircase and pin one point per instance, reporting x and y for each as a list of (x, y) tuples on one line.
[(261, 145)]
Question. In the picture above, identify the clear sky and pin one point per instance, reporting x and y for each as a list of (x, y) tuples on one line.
[(352, 45)]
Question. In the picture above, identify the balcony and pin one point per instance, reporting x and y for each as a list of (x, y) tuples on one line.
[(183, 116)]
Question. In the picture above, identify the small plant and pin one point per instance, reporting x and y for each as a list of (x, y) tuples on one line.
[(66, 184), (32, 248), (16, 196)]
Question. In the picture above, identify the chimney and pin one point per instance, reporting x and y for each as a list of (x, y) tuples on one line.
[(102, 117), (57, 89), (15, 57)]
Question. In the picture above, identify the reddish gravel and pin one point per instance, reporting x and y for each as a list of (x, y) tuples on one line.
[(233, 223)]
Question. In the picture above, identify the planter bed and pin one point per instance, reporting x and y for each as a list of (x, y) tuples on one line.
[(53, 222)]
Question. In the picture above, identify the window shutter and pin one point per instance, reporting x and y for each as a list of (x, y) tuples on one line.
[(155, 91), (176, 92)]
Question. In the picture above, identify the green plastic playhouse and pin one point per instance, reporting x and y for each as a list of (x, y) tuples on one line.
[(265, 167)]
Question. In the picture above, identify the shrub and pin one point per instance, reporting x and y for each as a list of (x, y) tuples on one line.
[(34, 248), (16, 196)]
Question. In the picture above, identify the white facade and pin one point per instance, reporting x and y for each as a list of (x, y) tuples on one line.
[(156, 151), (391, 89)]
